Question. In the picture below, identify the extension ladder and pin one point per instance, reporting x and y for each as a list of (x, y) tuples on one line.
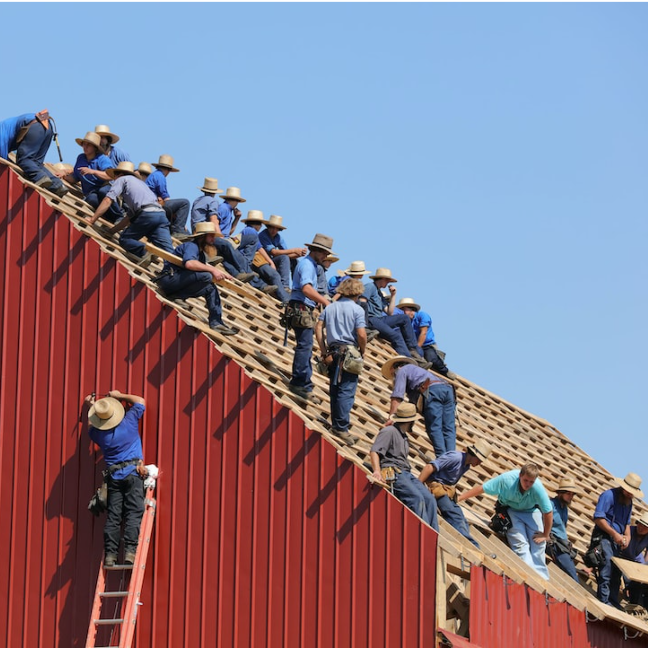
[(124, 627)]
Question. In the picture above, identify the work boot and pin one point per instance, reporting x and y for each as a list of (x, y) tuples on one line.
[(270, 290), (181, 236), (110, 560), (60, 191), (302, 392), (347, 437), (372, 334), (129, 558), (245, 277), (419, 359), (145, 261), (44, 182), (223, 329), (451, 374), (215, 260)]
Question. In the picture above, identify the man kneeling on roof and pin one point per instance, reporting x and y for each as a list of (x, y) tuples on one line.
[(442, 475), (529, 508), (636, 551), (391, 467), (195, 278), (116, 432), (144, 215)]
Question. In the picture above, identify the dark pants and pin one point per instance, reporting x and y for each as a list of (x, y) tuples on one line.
[(431, 355), (125, 502), (439, 415), (282, 263), (342, 391), (94, 197), (416, 497), (452, 513), (564, 561), (177, 211), (608, 580), (154, 225), (272, 278), (397, 330), (233, 261), (302, 371), (31, 153), (185, 283)]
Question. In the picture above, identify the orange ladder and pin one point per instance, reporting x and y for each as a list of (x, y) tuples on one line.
[(124, 627)]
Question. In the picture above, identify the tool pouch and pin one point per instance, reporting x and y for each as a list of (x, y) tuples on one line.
[(298, 316), (99, 501), (389, 474), (352, 360), (439, 490)]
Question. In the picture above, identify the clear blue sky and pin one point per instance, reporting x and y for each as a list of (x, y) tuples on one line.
[(493, 156)]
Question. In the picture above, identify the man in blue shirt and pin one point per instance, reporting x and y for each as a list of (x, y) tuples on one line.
[(340, 326), (529, 508), (30, 135), (436, 395), (442, 475), (205, 208), (636, 551), (303, 299), (612, 529), (177, 209), (116, 432), (107, 140), (275, 245)]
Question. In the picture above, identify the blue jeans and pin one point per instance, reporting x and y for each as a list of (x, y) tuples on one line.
[(565, 562), (233, 261), (439, 414), (282, 263), (94, 197), (125, 502), (152, 224), (342, 393), (186, 283), (416, 497), (452, 513), (31, 153), (608, 580), (271, 277), (520, 538), (177, 211), (397, 330), (302, 371)]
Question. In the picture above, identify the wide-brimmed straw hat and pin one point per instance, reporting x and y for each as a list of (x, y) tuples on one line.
[(106, 413), (165, 162), (643, 519), (123, 167), (332, 258), (233, 193), (211, 186), (408, 302), (275, 221), (202, 228), (321, 242), (91, 137), (62, 166), (631, 484), (569, 484), (480, 449), (387, 367), (356, 268), (383, 273), (104, 131), (145, 167), (254, 216), (404, 413)]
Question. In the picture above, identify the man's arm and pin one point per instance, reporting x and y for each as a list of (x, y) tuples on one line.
[(426, 473), (375, 464), (321, 341), (547, 523), (103, 207), (311, 293), (606, 527), (361, 335), (473, 492), (392, 299), (196, 266), (129, 398), (266, 256), (394, 403), (422, 335)]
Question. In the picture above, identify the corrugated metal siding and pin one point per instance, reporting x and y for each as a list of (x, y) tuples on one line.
[(264, 535)]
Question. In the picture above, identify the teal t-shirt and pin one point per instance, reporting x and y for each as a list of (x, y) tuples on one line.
[(506, 488)]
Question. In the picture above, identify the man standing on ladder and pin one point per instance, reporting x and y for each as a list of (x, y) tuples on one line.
[(116, 432)]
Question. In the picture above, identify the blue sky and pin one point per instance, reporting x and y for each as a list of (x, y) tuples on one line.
[(492, 156)]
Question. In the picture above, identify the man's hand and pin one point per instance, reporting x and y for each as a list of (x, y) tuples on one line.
[(377, 475), (115, 394), (389, 421), (86, 171), (539, 538), (219, 275), (327, 359), (392, 289), (90, 399)]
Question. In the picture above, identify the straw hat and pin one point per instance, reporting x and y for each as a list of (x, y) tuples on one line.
[(408, 302), (211, 186), (123, 167), (275, 221), (631, 483), (481, 449), (332, 258), (104, 131), (202, 228), (145, 167), (106, 413), (404, 413), (568, 484), (643, 519), (62, 166), (254, 216), (321, 242), (91, 137), (233, 193), (387, 367), (165, 162), (356, 268), (383, 273)]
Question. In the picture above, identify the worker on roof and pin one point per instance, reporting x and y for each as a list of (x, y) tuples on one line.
[(30, 135), (390, 464), (559, 546), (195, 278), (273, 243), (422, 325), (396, 329), (322, 269), (356, 270), (612, 532), (205, 207), (303, 300), (116, 431), (636, 551), (529, 508), (342, 338), (107, 140), (144, 216), (177, 209), (143, 171), (441, 476), (433, 395)]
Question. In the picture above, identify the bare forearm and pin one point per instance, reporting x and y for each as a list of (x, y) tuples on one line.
[(129, 398), (361, 335), (473, 492)]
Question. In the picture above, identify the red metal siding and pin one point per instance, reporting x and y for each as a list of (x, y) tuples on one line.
[(264, 535)]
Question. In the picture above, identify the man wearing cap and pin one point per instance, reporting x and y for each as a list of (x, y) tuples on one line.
[(559, 545), (390, 464), (529, 508), (437, 404), (275, 245), (205, 208), (144, 216), (612, 530), (442, 475), (636, 551), (30, 135), (177, 209), (195, 278), (396, 329), (303, 299), (107, 140), (116, 432), (344, 322)]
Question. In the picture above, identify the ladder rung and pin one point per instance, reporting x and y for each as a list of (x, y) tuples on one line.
[(113, 594), (108, 621), (118, 567)]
